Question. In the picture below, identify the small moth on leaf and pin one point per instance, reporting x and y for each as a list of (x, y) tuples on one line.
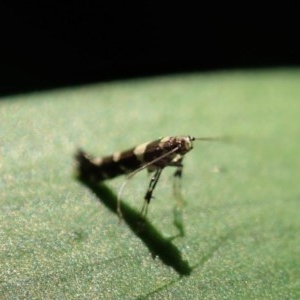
[(153, 156)]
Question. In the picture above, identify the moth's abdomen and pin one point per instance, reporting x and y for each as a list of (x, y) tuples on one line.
[(98, 169), (87, 169)]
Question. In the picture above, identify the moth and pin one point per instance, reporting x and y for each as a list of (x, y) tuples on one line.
[(154, 156)]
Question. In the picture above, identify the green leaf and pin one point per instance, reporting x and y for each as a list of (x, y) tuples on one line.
[(237, 236)]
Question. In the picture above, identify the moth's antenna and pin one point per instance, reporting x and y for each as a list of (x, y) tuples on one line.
[(213, 139)]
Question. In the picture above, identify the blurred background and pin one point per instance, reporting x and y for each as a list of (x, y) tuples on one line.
[(50, 44)]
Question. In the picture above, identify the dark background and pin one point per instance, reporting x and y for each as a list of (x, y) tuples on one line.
[(50, 44)]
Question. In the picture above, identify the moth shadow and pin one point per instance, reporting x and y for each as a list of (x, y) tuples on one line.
[(158, 245)]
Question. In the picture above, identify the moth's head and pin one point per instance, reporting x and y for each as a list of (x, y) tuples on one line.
[(185, 142)]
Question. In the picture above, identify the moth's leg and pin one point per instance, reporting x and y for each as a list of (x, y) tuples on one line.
[(148, 196), (119, 211), (178, 219), (177, 181)]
